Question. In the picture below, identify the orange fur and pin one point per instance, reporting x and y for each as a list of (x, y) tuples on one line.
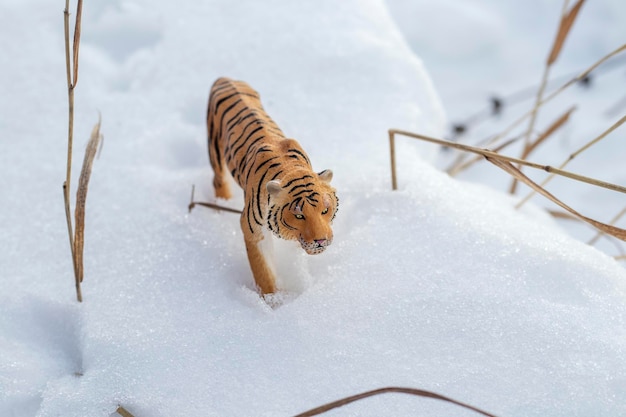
[(281, 191)]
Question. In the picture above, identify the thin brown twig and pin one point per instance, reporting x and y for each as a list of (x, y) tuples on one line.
[(573, 156), (556, 125), (613, 221), (411, 391), (454, 169), (392, 153), (562, 215), (504, 145), (81, 198), (566, 22), (213, 206), (488, 153), (565, 25), (72, 76), (123, 412), (70, 140), (76, 46), (512, 170)]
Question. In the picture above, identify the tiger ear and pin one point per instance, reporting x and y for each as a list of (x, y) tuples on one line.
[(326, 175), (274, 188)]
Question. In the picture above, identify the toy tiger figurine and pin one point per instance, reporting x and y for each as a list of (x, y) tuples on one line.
[(281, 191)]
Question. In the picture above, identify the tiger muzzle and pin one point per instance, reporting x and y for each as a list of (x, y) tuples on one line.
[(316, 246)]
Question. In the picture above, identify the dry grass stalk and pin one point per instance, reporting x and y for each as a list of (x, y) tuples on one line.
[(72, 77), (76, 44), (562, 215), (392, 153), (556, 125), (574, 155), (454, 170), (213, 206), (81, 199), (612, 222), (551, 129), (461, 166), (123, 412), (417, 392), (512, 170), (567, 20), (491, 154)]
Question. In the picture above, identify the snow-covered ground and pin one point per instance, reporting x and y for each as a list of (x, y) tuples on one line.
[(441, 285)]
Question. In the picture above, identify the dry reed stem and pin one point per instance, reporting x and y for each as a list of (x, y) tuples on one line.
[(76, 45), (213, 206), (392, 154), (512, 170), (551, 129), (454, 170), (562, 215), (574, 155), (71, 84), (465, 165), (567, 20), (612, 222), (123, 412), (411, 391), (556, 125), (488, 153), (81, 198)]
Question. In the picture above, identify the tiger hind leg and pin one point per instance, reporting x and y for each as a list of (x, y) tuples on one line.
[(221, 186), (218, 162)]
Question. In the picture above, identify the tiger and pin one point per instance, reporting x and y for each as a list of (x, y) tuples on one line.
[(283, 196)]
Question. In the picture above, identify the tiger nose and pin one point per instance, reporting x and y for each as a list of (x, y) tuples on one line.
[(320, 242)]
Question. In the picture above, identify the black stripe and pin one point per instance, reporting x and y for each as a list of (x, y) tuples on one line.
[(262, 164), (282, 219), (235, 151), (311, 199), (295, 202), (236, 119), (248, 218), (296, 179), (302, 192), (221, 124), (295, 187), (299, 153), (261, 183), (221, 100)]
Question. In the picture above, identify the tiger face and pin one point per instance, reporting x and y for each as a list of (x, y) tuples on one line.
[(302, 207)]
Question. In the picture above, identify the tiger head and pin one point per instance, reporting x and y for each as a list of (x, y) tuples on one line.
[(302, 207)]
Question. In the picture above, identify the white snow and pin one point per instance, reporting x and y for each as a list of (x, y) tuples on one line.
[(441, 285)]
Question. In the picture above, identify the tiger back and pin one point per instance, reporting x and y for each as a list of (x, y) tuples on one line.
[(282, 193)]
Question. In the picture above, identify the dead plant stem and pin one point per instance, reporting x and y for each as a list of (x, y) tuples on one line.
[(612, 222), (454, 170), (573, 156), (411, 391), (491, 154), (392, 152), (71, 84), (123, 412)]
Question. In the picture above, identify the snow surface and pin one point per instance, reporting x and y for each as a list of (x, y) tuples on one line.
[(441, 285)]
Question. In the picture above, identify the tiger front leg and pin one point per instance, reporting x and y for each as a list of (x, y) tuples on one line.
[(259, 264)]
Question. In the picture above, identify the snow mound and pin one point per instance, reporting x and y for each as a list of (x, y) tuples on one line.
[(441, 285)]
